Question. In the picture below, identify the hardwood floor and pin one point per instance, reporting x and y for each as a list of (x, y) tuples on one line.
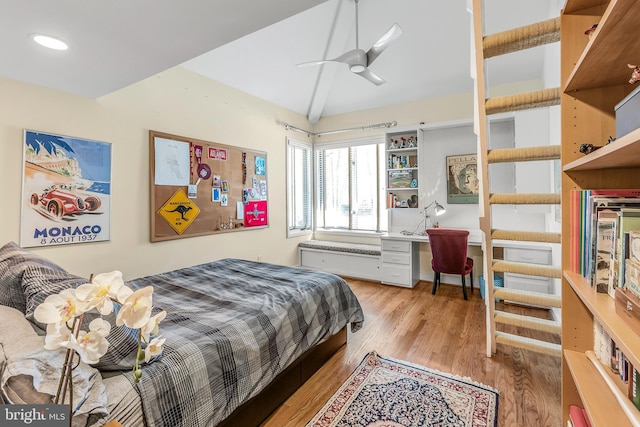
[(443, 332)]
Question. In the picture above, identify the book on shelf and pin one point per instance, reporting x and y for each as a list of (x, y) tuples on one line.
[(628, 220), (633, 249), (632, 277), (584, 208), (605, 229), (578, 416)]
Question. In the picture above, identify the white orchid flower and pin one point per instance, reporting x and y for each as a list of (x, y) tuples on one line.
[(151, 328), (57, 336), (136, 309), (153, 348), (101, 290), (92, 345), (59, 308)]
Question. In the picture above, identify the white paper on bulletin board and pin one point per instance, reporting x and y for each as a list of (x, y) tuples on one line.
[(172, 165)]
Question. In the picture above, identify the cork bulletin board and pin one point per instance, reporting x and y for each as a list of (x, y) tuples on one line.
[(202, 187)]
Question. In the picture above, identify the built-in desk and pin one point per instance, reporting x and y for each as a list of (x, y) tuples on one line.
[(400, 260)]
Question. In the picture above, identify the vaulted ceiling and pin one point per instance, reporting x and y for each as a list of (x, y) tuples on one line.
[(254, 46)]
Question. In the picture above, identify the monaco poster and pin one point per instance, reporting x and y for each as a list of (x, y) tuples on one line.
[(66, 190)]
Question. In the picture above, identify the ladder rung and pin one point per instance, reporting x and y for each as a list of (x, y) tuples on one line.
[(523, 101), (528, 297), (529, 269), (526, 236), (529, 344), (524, 154), (524, 199), (521, 38), (529, 322)]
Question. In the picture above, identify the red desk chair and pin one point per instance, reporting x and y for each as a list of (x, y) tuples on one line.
[(449, 251)]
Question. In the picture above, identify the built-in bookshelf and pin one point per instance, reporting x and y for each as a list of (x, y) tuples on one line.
[(402, 157), (595, 78)]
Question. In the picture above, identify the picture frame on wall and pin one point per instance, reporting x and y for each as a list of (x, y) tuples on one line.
[(66, 190), (463, 185)]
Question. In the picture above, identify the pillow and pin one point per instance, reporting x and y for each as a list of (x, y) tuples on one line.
[(31, 373), (13, 262), (40, 281)]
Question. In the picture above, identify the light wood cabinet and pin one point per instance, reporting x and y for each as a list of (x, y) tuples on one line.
[(595, 78)]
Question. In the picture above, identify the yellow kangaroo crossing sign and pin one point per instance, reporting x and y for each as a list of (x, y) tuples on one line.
[(179, 211)]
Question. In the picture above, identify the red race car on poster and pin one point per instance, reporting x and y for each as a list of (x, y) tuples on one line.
[(59, 202)]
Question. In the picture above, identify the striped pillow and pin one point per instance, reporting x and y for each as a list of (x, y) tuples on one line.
[(13, 262), (40, 281)]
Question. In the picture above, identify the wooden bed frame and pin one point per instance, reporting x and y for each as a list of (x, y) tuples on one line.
[(257, 409)]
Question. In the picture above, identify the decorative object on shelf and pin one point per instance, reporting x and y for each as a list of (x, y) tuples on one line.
[(590, 30), (400, 179), (63, 315), (462, 179), (412, 202), (412, 142), (635, 75), (414, 183), (588, 148)]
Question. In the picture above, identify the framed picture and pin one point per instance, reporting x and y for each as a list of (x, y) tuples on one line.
[(66, 190), (463, 185)]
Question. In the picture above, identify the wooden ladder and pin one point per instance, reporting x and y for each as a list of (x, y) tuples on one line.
[(487, 46)]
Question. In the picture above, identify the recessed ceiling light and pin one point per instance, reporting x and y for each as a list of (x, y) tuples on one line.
[(48, 41)]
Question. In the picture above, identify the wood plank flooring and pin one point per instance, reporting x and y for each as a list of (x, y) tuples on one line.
[(443, 332)]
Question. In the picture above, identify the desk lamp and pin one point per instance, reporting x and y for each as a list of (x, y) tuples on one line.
[(438, 209)]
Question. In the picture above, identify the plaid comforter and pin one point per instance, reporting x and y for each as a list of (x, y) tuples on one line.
[(232, 326)]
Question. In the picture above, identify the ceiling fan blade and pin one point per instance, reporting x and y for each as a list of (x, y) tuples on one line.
[(306, 64), (371, 76), (352, 57), (387, 38)]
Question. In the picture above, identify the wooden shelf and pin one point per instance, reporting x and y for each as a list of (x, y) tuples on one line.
[(573, 6), (596, 396), (603, 308), (619, 154), (611, 47), (396, 150)]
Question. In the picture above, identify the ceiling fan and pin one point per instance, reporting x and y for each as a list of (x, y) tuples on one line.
[(358, 60)]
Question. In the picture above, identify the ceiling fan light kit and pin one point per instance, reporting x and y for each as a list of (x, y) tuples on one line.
[(358, 60)]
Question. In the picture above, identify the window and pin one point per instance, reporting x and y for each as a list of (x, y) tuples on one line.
[(299, 187), (349, 191)]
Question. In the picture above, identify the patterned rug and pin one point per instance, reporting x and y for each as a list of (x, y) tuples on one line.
[(384, 392)]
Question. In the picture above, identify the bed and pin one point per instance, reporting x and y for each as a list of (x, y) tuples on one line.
[(240, 337)]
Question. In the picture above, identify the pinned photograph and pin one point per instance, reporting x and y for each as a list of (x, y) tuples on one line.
[(224, 200), (216, 180), (225, 186), (260, 167), (215, 194)]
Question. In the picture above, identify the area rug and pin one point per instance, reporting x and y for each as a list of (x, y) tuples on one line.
[(384, 392)]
